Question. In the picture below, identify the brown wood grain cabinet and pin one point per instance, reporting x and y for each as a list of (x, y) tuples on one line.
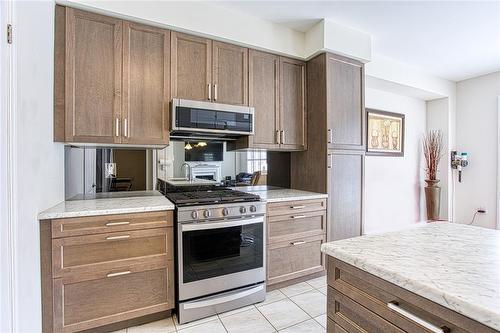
[(88, 76), (334, 160), (116, 268), (111, 80), (277, 91), (295, 232), (208, 70), (358, 301), (191, 64), (293, 104), (345, 189), (345, 104), (146, 84)]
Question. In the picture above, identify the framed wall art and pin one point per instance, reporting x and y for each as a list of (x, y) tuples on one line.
[(385, 133)]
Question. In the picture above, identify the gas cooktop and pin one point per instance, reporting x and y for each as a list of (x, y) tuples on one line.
[(205, 195)]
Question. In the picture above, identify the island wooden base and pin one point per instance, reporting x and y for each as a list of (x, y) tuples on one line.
[(361, 302)]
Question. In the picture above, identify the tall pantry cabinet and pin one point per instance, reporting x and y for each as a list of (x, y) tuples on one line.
[(334, 161)]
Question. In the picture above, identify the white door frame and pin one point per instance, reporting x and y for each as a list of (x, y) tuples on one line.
[(7, 169)]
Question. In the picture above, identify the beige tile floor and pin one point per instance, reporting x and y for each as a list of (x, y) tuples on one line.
[(300, 308)]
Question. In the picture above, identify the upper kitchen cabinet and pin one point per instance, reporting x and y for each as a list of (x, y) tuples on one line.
[(263, 95), (191, 67), (345, 103), (292, 104), (230, 74), (95, 58), (88, 77), (146, 84)]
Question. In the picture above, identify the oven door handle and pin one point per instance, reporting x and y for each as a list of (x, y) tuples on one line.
[(221, 224), (223, 299)]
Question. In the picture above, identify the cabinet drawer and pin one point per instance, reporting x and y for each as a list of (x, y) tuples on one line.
[(295, 207), (380, 297), (331, 327), (354, 317), (76, 255), (77, 226), (284, 227), (109, 296), (295, 258)]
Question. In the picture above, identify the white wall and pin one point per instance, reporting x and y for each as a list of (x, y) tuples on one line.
[(39, 166), (393, 185), (477, 131)]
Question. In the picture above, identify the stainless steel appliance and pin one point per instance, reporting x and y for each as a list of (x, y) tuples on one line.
[(207, 120), (220, 251)]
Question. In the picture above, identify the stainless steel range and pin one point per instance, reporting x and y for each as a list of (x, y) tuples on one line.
[(220, 251)]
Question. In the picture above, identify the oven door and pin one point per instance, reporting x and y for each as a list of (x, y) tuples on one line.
[(219, 256)]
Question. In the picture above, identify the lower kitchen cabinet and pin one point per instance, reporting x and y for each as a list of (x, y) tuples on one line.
[(295, 232), (358, 301), (92, 280)]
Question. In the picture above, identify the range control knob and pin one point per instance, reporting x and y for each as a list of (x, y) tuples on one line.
[(225, 212), (207, 213), (253, 209), (243, 210), (194, 214)]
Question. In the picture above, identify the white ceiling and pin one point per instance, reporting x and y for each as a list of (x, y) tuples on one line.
[(454, 40)]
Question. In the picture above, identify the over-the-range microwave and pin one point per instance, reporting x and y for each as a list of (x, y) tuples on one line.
[(198, 119)]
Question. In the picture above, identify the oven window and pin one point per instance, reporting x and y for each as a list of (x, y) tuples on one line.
[(215, 252)]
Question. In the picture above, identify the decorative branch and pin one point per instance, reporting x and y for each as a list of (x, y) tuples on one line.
[(433, 151)]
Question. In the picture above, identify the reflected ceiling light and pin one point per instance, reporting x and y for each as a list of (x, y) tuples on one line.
[(201, 144), (188, 146)]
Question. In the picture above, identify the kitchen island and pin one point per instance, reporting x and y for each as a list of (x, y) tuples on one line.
[(439, 277)]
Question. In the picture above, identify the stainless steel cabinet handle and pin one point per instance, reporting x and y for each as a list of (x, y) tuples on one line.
[(298, 216), (278, 137), (283, 137), (209, 92), (330, 135), (329, 162), (117, 127), (298, 243), (297, 207), (433, 328), (125, 127), (215, 92), (112, 224), (118, 273), (117, 237)]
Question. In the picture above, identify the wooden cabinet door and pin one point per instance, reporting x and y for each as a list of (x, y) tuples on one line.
[(292, 104), (93, 77), (191, 67), (345, 103), (345, 194), (263, 94), (230, 74), (146, 84)]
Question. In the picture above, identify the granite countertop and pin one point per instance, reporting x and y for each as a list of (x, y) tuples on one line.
[(454, 265), (278, 194), (108, 206)]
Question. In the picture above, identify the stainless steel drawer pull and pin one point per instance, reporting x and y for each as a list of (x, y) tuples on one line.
[(118, 274), (117, 127), (209, 92), (117, 237), (330, 135), (215, 92), (298, 243), (125, 127), (298, 216), (433, 328), (297, 207), (278, 137), (112, 224)]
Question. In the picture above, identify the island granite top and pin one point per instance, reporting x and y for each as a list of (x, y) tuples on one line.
[(454, 265), (108, 206)]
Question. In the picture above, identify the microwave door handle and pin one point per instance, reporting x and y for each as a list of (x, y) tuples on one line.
[(220, 224)]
